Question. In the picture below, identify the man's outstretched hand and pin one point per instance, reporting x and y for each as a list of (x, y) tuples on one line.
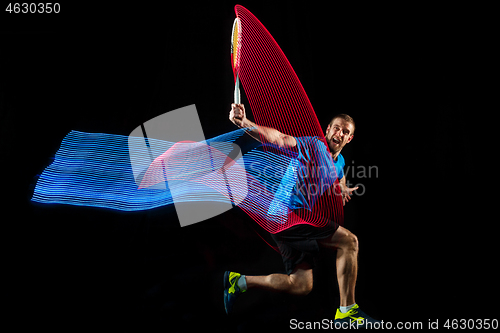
[(347, 192)]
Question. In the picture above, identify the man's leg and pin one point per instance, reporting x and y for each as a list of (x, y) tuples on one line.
[(300, 282), (346, 244)]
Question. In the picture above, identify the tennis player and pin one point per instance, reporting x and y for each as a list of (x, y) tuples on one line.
[(300, 243)]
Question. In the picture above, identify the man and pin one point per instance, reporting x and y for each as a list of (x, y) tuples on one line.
[(300, 243)]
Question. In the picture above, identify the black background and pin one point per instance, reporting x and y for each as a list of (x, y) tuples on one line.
[(407, 75)]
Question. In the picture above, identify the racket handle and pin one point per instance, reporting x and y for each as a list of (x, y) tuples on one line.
[(237, 95)]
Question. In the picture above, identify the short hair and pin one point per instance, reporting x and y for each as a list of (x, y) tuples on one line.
[(346, 117)]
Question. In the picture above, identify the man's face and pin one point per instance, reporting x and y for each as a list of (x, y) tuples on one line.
[(338, 134)]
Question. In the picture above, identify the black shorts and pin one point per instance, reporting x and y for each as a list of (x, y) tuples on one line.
[(300, 243)]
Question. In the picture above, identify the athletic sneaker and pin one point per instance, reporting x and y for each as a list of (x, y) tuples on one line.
[(231, 290), (353, 318)]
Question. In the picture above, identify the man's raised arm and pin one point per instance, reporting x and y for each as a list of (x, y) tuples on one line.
[(261, 133)]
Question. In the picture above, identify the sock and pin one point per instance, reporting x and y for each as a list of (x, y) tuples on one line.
[(242, 283), (345, 309)]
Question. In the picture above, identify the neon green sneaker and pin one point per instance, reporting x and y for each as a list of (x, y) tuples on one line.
[(231, 289), (354, 318)]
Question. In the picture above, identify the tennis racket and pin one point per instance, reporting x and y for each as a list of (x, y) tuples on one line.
[(235, 57)]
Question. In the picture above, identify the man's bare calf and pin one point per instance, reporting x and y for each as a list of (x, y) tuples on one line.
[(300, 282)]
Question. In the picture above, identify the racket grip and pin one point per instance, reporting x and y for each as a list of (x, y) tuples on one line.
[(237, 95)]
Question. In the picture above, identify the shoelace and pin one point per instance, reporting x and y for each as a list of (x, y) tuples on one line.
[(355, 312)]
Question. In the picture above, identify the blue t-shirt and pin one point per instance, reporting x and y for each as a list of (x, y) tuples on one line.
[(317, 171)]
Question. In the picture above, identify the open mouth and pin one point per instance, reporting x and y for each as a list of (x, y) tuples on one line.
[(335, 140)]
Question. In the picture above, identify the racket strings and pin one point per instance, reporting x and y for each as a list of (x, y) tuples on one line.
[(278, 100)]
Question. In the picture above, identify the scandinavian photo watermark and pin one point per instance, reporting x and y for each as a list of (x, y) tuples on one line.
[(315, 179)]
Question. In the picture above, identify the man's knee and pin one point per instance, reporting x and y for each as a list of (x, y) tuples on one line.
[(348, 241), (302, 284), (341, 239), (352, 242)]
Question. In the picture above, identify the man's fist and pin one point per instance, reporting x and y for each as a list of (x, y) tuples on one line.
[(237, 115)]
